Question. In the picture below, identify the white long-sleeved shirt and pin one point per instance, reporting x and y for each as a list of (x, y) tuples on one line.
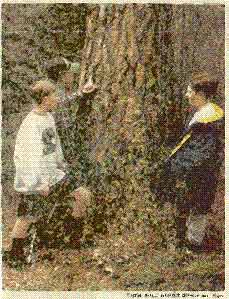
[(38, 155)]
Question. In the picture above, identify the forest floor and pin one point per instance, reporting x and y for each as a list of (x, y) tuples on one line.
[(114, 264)]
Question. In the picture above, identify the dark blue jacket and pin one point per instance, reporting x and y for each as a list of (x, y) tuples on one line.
[(195, 160)]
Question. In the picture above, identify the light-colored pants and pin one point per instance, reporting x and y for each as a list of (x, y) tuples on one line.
[(196, 228)]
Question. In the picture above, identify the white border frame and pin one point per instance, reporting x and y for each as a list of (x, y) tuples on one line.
[(147, 294)]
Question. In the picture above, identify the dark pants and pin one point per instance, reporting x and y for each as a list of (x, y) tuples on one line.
[(201, 191), (195, 199), (35, 204)]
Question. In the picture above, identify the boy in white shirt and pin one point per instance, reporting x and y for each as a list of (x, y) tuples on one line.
[(39, 163), (38, 156)]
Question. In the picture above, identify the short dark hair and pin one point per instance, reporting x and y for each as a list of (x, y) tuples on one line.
[(202, 83), (41, 89), (54, 67)]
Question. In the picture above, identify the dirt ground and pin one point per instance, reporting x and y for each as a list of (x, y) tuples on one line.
[(113, 264)]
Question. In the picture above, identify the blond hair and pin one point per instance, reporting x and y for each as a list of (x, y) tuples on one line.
[(41, 89)]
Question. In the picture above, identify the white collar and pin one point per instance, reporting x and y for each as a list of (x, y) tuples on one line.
[(208, 113), (40, 113)]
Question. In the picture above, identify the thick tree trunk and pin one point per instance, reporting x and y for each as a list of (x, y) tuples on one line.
[(120, 56)]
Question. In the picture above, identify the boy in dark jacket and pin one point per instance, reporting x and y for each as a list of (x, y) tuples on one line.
[(196, 159)]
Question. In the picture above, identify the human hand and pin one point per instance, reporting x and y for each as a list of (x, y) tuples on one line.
[(89, 87), (45, 191)]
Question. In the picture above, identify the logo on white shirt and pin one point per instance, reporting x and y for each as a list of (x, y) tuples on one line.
[(49, 141)]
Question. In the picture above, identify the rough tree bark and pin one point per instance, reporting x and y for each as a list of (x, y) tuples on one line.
[(121, 57)]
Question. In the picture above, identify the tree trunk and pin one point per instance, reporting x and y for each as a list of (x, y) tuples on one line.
[(121, 58)]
